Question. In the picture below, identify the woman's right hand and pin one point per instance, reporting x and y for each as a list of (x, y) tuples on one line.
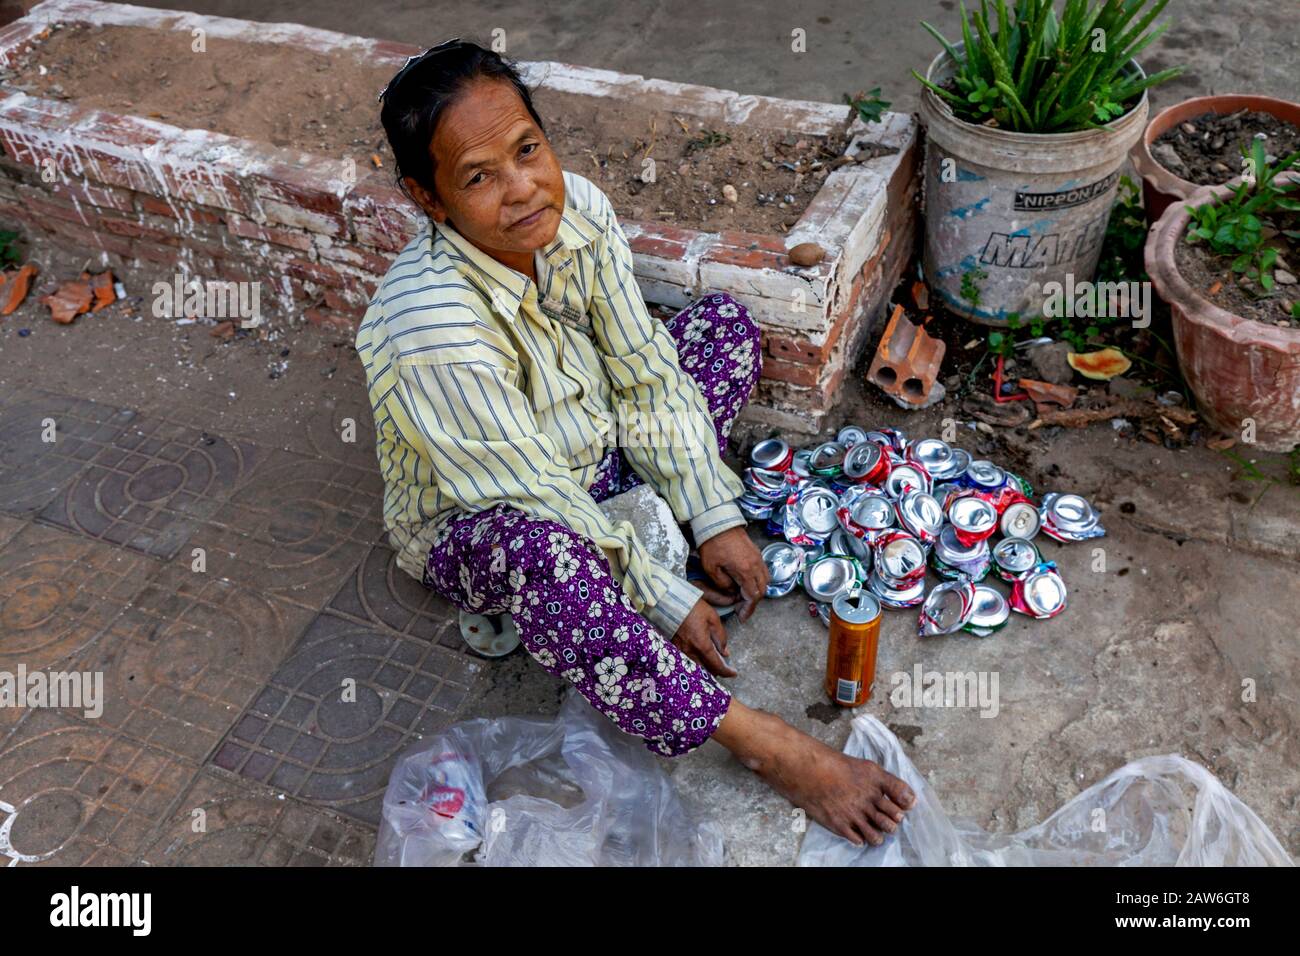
[(703, 639)]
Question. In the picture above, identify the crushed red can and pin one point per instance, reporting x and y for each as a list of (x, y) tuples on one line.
[(1040, 593), (972, 518), (867, 462)]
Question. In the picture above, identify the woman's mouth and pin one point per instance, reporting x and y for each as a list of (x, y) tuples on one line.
[(531, 220)]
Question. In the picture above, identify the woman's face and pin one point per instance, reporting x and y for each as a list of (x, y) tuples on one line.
[(497, 179)]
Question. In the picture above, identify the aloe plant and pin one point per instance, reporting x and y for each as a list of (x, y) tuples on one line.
[(1021, 68)]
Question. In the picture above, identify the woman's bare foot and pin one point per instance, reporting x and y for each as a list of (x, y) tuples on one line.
[(853, 798)]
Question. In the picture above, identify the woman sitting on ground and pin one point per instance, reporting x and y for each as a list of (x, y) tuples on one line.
[(503, 342)]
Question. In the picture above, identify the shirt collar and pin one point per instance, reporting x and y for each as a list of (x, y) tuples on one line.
[(505, 288)]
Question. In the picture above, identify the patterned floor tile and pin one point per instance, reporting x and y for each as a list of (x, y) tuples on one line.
[(381, 593), (152, 486), (346, 702), (223, 823), (296, 529), (343, 429), (58, 592), (184, 660), (34, 470), (74, 795)]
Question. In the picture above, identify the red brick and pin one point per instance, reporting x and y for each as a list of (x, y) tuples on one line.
[(341, 302), (179, 210), (662, 241), (330, 320), (138, 230), (379, 215), (248, 229), (303, 194), (791, 372), (54, 209), (355, 255), (314, 272), (752, 251), (103, 197)]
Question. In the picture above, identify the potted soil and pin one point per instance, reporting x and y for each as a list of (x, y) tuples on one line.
[(1201, 142), (1028, 121), (1227, 264)]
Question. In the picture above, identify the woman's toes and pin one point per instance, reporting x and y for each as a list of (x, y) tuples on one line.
[(883, 821), (870, 833), (889, 809), (899, 792)]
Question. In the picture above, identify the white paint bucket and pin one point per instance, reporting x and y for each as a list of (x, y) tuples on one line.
[(1024, 208)]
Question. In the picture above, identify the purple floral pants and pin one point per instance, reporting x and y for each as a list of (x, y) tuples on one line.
[(572, 615)]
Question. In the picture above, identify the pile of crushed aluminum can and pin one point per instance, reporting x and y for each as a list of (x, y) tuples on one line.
[(873, 509)]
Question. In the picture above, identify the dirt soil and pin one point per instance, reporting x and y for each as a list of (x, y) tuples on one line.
[(1207, 149), (298, 99), (1206, 271)]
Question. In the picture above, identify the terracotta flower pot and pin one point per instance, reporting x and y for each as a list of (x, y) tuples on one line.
[(1237, 368), (1160, 187)]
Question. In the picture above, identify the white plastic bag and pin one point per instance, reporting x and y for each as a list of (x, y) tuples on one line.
[(1137, 816), (573, 791)]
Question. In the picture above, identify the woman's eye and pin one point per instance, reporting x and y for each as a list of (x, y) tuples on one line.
[(478, 178), (529, 149)]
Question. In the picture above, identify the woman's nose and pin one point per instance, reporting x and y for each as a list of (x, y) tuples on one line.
[(519, 186)]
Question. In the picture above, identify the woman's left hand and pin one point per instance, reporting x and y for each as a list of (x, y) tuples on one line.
[(732, 562)]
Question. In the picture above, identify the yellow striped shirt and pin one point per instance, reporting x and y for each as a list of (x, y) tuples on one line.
[(489, 388)]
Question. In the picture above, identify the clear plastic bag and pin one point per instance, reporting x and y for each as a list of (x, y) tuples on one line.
[(1137, 816), (573, 791)]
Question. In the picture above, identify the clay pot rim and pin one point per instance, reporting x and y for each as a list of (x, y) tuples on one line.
[(1149, 168), (1162, 266)]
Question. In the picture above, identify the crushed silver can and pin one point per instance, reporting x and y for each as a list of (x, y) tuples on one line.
[(900, 557), (783, 561), (841, 542), (951, 559), (960, 462), (829, 577), (991, 611), (1040, 593), (1020, 520), (1069, 517), (811, 518), (984, 475), (932, 454), (1014, 558), (919, 513), (907, 594), (865, 511), (973, 519), (827, 459), (908, 476), (850, 435), (772, 454), (947, 608)]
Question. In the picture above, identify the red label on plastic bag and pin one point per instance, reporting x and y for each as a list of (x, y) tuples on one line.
[(446, 801)]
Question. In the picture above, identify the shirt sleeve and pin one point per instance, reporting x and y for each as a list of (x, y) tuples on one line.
[(653, 396), (486, 448)]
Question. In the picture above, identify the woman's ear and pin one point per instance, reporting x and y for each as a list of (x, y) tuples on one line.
[(425, 199)]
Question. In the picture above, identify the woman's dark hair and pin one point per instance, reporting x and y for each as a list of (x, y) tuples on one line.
[(419, 94)]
